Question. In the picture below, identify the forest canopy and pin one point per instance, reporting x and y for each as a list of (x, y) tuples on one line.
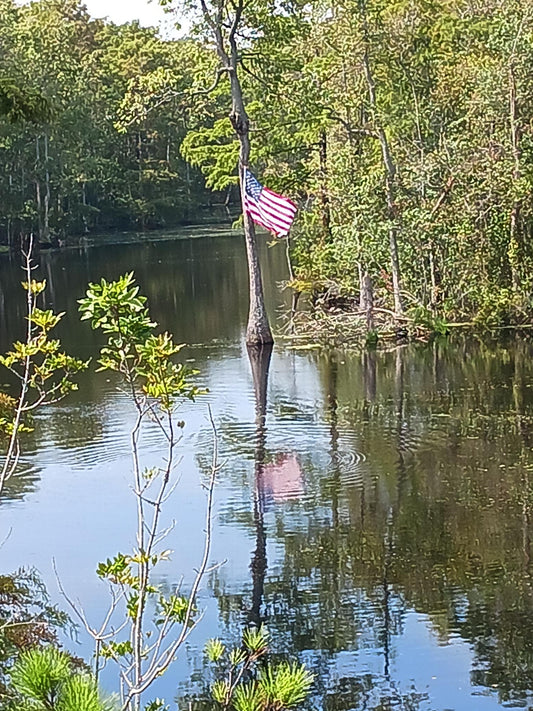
[(402, 129)]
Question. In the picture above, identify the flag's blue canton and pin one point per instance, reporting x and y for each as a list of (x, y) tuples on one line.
[(253, 186)]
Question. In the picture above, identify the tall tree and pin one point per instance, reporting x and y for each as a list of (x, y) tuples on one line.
[(224, 19)]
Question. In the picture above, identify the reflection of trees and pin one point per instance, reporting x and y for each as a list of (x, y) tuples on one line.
[(17, 487), (260, 364), (197, 288), (439, 522)]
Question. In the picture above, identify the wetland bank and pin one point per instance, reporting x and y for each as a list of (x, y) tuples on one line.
[(377, 520)]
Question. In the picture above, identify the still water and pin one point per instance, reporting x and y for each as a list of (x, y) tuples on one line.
[(374, 510)]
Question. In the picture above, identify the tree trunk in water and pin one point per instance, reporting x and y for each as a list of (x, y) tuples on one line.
[(258, 330)]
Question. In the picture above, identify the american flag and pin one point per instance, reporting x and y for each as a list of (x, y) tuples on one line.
[(266, 208)]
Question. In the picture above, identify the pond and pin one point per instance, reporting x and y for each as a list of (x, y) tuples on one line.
[(373, 510)]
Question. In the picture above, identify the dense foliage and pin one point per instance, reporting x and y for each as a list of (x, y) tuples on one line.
[(403, 129), (65, 167)]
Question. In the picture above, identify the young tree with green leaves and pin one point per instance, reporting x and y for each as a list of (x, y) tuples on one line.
[(156, 384), (43, 370)]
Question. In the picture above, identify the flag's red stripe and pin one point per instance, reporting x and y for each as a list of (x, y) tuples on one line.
[(274, 211), (270, 210), (275, 208), (253, 210), (258, 217), (279, 199), (276, 216), (267, 216)]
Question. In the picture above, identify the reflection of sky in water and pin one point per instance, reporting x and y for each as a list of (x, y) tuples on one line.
[(373, 443)]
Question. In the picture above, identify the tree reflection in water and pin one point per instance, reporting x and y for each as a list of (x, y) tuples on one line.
[(260, 365), (429, 526), (410, 482)]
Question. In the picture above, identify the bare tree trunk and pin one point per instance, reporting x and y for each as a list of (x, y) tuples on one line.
[(393, 244), (188, 181), (84, 203), (9, 218), (513, 250), (46, 218), (324, 197), (361, 286), (390, 185), (38, 199), (368, 302), (258, 330)]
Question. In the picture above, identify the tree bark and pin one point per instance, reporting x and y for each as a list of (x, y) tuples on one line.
[(258, 330), (324, 196), (46, 217), (368, 302), (513, 250), (84, 203), (38, 199)]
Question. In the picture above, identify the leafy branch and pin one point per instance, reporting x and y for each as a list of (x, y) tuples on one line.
[(44, 371)]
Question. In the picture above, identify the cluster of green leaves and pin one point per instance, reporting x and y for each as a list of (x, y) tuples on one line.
[(124, 572), (40, 363), (132, 349), (18, 104), (27, 620), (8, 407), (245, 685)]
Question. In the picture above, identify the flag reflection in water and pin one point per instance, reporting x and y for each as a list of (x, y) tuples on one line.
[(281, 480)]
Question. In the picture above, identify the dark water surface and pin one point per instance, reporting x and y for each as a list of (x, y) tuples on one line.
[(378, 522)]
